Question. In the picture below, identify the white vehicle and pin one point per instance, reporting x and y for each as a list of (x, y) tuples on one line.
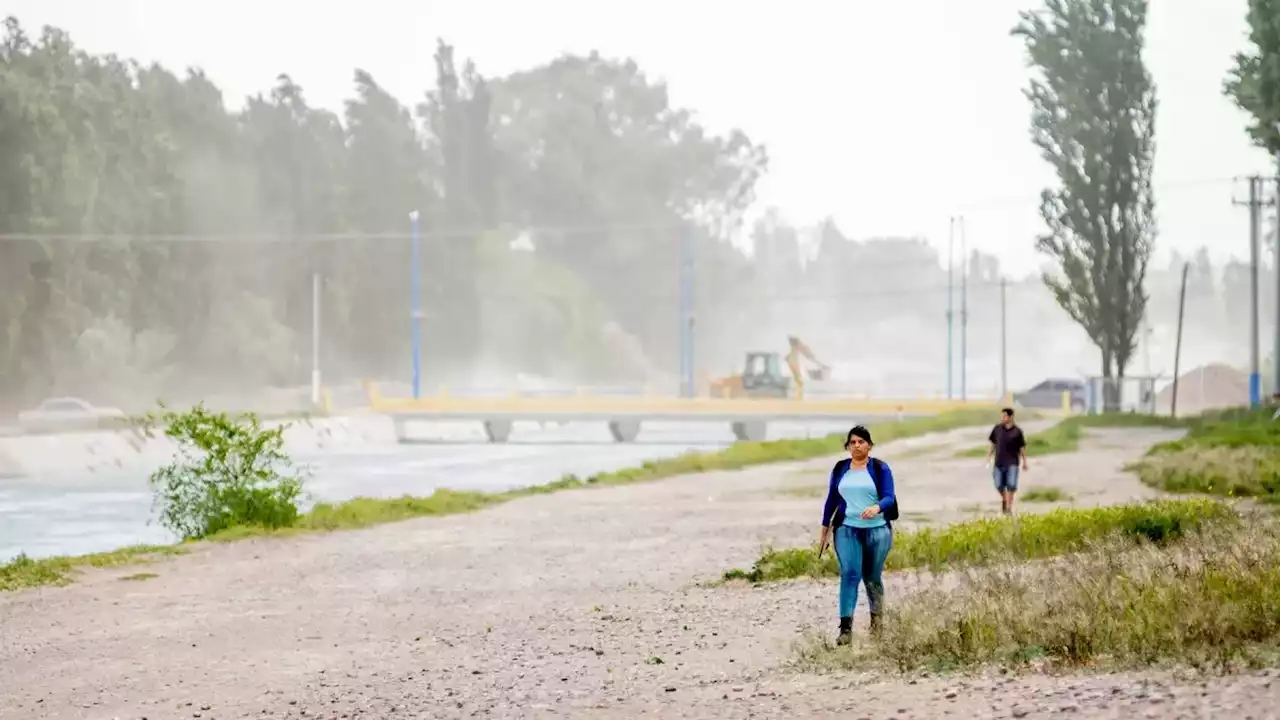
[(67, 413)]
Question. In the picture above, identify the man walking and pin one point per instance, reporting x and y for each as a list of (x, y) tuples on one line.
[(1008, 447)]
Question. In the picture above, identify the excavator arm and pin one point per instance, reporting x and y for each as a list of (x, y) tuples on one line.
[(799, 349)]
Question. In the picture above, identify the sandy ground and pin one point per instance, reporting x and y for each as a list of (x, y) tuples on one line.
[(582, 604)]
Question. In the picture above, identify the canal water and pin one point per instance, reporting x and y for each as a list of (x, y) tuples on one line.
[(61, 509)]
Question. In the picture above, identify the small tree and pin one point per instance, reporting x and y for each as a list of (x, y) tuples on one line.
[(229, 471), (1093, 119)]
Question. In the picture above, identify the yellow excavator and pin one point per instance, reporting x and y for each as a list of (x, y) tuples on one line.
[(762, 374)]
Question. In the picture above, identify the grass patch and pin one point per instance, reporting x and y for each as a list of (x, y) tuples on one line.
[(23, 572), (1212, 600), (1064, 437), (367, 512), (1235, 428), (138, 577), (1131, 420), (994, 540), (1232, 453), (1044, 495), (1223, 471)]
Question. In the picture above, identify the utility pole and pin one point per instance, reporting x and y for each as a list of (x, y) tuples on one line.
[(1255, 238), (315, 340), (951, 241), (1255, 224), (1146, 347), (415, 299), (1275, 261), (1004, 345), (1177, 348), (964, 312), (686, 311)]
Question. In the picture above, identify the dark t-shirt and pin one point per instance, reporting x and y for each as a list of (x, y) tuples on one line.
[(1008, 442)]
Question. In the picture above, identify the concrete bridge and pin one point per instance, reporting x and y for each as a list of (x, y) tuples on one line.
[(748, 418)]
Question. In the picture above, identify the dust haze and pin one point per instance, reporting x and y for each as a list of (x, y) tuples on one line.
[(157, 244)]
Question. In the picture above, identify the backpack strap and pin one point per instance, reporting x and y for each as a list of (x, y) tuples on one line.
[(874, 469)]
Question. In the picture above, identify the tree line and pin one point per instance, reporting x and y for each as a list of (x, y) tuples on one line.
[(154, 239)]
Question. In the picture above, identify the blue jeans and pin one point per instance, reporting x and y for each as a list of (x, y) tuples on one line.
[(861, 553), (1005, 478)]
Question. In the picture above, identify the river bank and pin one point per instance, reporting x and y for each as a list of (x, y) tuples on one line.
[(584, 602), (88, 492)]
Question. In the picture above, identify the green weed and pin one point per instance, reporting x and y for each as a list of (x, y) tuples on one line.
[(991, 540)]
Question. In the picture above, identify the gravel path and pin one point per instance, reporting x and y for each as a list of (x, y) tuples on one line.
[(584, 604)]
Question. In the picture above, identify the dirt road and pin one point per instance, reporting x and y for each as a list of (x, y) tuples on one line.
[(582, 604)]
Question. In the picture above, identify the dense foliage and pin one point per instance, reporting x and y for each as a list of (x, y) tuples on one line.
[(154, 237)]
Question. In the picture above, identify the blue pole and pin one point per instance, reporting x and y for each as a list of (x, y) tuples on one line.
[(416, 313), (1255, 232), (686, 311)]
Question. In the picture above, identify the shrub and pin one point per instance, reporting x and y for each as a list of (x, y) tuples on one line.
[(229, 471)]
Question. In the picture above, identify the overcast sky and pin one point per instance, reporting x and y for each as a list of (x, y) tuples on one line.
[(892, 117)]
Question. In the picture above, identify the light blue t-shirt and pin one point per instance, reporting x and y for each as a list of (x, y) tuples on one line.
[(859, 491)]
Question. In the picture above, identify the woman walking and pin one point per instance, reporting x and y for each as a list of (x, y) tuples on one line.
[(862, 486)]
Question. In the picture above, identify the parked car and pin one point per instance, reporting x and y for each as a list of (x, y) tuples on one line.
[(1047, 395), (68, 413)]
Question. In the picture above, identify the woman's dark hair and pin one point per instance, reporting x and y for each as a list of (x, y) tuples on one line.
[(857, 431)]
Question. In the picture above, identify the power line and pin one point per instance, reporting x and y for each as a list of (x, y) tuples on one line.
[(284, 237), (777, 297), (1009, 200), (472, 232)]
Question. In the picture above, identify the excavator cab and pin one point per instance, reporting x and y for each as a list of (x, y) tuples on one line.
[(762, 376)]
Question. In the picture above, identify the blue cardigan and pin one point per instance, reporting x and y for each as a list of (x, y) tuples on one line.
[(833, 511)]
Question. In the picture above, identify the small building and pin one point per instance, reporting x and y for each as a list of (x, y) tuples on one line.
[(1134, 394)]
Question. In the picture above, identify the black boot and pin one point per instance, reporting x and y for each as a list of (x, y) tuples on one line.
[(846, 631), (877, 624)]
